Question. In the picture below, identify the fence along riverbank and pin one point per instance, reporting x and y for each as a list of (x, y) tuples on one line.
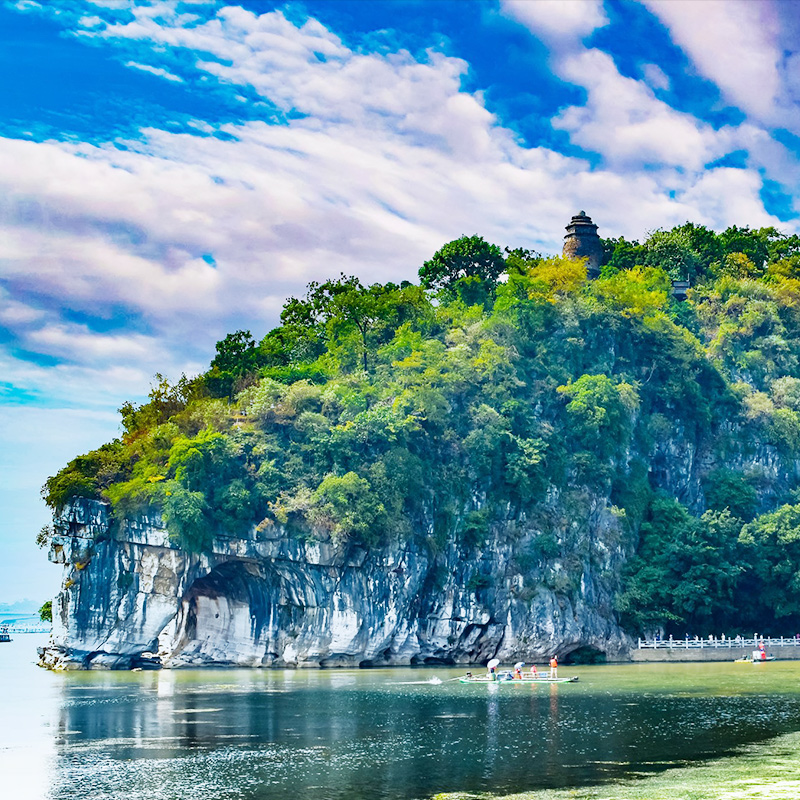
[(23, 623), (785, 648), (11, 629)]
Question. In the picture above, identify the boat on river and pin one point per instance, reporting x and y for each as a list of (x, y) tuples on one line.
[(517, 676), (756, 657), (511, 679)]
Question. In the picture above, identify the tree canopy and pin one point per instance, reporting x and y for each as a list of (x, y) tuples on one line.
[(468, 267)]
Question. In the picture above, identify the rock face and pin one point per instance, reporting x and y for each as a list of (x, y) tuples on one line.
[(131, 598)]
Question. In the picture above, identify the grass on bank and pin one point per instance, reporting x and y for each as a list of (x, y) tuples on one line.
[(758, 772)]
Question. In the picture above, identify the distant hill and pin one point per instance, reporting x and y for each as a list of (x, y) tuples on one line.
[(19, 607)]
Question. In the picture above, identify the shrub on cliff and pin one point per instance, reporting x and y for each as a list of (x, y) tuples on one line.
[(87, 476)]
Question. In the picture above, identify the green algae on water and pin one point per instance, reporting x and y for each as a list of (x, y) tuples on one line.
[(766, 771)]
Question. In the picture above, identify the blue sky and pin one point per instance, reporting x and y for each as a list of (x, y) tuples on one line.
[(172, 171)]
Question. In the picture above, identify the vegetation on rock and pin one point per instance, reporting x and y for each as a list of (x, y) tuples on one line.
[(508, 389)]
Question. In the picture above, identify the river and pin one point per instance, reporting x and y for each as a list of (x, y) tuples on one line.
[(365, 734)]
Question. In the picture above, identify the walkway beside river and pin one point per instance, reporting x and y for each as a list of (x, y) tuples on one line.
[(784, 648)]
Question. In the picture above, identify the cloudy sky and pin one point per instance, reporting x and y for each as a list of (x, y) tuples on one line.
[(172, 171)]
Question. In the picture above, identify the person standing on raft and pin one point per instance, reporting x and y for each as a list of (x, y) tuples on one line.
[(554, 667)]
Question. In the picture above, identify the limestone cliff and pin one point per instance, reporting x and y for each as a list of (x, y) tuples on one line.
[(131, 598)]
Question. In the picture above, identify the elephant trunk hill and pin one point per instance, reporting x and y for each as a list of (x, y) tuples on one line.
[(507, 460)]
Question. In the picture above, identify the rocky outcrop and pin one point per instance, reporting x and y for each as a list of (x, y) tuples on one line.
[(132, 598)]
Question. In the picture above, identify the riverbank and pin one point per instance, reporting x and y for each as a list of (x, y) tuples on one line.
[(679, 656), (700, 650), (766, 770)]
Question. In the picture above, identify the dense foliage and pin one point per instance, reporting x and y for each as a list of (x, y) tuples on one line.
[(509, 389)]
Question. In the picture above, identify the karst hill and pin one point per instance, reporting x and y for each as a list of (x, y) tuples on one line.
[(517, 456)]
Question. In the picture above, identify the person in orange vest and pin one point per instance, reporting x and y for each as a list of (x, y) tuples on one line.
[(553, 667)]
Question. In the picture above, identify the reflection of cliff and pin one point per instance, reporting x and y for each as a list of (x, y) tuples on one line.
[(132, 598)]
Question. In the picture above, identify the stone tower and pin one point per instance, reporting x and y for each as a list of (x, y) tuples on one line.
[(582, 241)]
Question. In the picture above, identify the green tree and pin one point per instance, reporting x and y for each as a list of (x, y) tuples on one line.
[(46, 612), (520, 260), (635, 292), (735, 265), (188, 518), (346, 315), (726, 489), (166, 400), (237, 357), (620, 254), (236, 354), (468, 266), (88, 475), (672, 251), (783, 247), (600, 411), (685, 572), (752, 243), (704, 243), (785, 392), (772, 553), (349, 508)]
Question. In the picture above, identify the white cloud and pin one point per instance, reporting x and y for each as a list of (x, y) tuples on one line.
[(159, 71), (14, 313), (64, 340), (655, 77), (621, 119), (557, 19), (282, 62), (732, 194), (735, 42), (624, 121), (91, 22), (740, 45), (99, 387)]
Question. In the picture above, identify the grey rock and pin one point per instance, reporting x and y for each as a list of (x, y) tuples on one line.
[(131, 598)]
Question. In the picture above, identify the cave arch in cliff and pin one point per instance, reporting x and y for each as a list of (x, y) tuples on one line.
[(223, 614), (585, 655)]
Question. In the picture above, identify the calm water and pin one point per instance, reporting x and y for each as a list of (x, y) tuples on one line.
[(315, 735)]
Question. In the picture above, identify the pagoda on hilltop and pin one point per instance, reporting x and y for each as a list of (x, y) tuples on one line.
[(582, 241)]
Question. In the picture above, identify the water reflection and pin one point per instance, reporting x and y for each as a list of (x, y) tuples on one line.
[(492, 728), (367, 734)]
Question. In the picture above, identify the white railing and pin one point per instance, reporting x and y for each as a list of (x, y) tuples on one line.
[(44, 628), (716, 643)]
